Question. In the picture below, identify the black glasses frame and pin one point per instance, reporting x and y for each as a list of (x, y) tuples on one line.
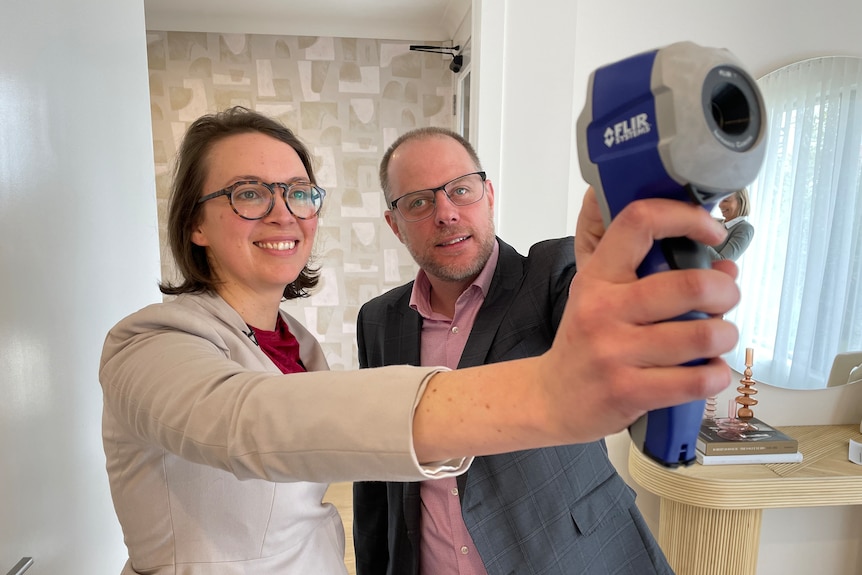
[(228, 191), (393, 205)]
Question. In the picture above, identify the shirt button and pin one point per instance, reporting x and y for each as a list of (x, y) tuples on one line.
[(454, 329), (454, 491), (464, 550)]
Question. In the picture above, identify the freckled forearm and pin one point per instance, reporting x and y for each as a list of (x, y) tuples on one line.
[(466, 412)]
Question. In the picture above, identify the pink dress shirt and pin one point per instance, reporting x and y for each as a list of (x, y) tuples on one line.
[(446, 547)]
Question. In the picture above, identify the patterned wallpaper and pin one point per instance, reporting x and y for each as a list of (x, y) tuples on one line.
[(347, 99)]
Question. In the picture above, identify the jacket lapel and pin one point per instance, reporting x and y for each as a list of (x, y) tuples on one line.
[(507, 279)]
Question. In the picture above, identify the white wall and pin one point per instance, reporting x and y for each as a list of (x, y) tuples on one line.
[(535, 62), (526, 55), (78, 250)]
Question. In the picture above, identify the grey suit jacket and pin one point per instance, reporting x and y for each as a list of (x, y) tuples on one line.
[(553, 510)]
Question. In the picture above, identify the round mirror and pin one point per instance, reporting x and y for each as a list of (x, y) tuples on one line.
[(801, 277)]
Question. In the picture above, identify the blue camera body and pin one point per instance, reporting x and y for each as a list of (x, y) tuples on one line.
[(685, 123)]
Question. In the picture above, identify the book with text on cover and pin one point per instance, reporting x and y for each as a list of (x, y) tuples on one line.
[(743, 459), (717, 440)]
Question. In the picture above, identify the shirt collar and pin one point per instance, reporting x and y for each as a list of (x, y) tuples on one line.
[(420, 297), (729, 224)]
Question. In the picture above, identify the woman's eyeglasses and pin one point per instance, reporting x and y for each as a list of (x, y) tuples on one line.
[(253, 200)]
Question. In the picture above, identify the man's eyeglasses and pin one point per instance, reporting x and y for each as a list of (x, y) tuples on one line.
[(461, 191), (254, 200)]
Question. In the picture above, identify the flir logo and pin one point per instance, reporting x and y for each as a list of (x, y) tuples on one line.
[(625, 131)]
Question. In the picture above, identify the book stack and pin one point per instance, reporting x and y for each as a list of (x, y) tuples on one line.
[(724, 442)]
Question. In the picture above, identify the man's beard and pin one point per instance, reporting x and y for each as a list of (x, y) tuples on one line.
[(460, 271)]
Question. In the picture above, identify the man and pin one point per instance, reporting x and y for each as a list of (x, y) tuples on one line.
[(476, 300)]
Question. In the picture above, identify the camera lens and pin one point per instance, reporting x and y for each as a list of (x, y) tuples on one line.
[(731, 107)]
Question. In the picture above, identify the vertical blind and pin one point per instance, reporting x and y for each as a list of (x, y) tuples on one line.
[(800, 278)]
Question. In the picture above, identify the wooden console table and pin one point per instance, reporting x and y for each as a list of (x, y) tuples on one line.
[(709, 523)]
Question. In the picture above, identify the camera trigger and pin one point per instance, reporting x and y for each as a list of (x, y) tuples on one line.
[(705, 198), (684, 253)]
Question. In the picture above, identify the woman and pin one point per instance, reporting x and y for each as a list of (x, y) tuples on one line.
[(218, 461), (735, 209)]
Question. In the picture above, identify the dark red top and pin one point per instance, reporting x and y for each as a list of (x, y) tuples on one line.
[(280, 346)]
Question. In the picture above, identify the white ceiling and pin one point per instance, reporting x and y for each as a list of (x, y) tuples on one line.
[(429, 20)]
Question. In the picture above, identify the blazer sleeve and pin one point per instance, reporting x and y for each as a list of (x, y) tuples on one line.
[(195, 387)]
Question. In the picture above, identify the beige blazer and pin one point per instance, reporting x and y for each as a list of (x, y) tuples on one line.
[(217, 462)]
